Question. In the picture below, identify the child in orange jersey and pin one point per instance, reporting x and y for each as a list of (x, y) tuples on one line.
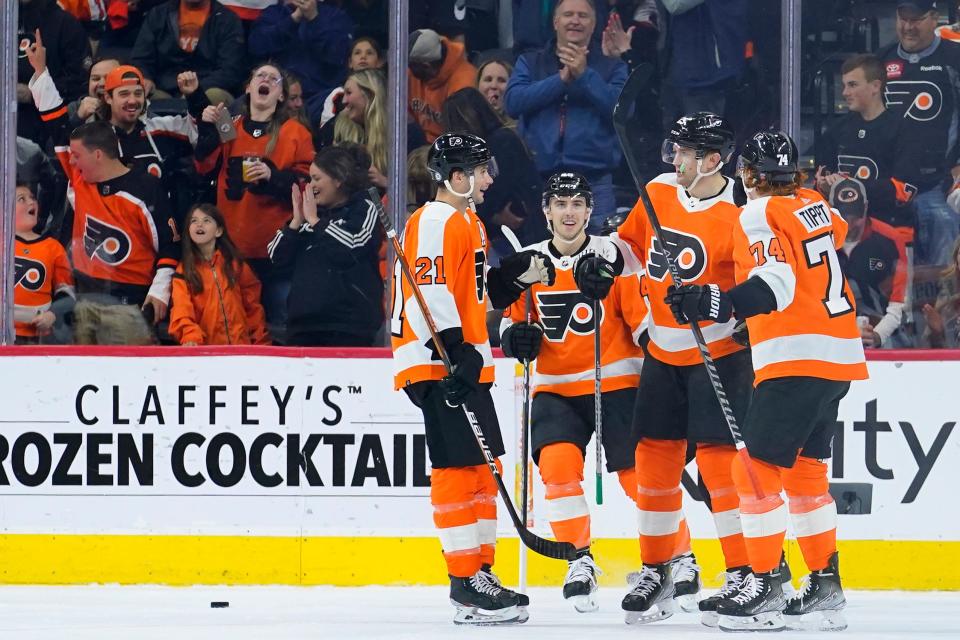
[(676, 404), (42, 275), (560, 337), (445, 244), (806, 348), (216, 296)]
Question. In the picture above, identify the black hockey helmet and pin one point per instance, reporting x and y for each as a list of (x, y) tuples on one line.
[(704, 132), (456, 152), (567, 183), (772, 155)]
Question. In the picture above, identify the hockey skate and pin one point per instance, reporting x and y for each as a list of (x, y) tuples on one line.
[(732, 579), (522, 599), (757, 606), (580, 584), (651, 598), (480, 601), (785, 577), (819, 604), (686, 581)]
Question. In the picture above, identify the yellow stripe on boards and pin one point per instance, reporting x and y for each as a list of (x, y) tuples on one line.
[(345, 561)]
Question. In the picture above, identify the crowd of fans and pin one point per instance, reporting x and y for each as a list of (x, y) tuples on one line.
[(196, 171)]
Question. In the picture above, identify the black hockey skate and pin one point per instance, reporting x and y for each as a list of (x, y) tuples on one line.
[(479, 601), (651, 598), (819, 605), (686, 581), (732, 579), (580, 583), (522, 598), (757, 606)]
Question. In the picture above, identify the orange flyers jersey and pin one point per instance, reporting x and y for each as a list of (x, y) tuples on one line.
[(565, 365), (447, 253), (791, 243), (699, 236), (41, 271)]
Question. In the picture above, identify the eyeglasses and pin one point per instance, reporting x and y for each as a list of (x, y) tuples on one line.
[(268, 77)]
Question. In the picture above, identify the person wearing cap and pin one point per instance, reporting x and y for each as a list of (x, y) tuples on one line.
[(563, 95), (874, 260), (201, 36), (923, 89), (121, 231), (437, 67)]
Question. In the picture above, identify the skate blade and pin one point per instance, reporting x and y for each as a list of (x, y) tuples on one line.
[(484, 618), (830, 620), (690, 603), (710, 619), (769, 621), (659, 611), (585, 603)]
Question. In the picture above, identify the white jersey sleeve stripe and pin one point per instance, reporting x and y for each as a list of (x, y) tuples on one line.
[(779, 276)]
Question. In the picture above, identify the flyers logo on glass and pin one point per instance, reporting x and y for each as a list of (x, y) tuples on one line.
[(106, 242), (565, 311), (687, 252), (28, 273), (921, 100)]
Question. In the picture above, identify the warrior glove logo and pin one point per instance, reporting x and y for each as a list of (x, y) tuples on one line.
[(686, 251), (103, 241), (921, 100), (563, 311), (28, 274)]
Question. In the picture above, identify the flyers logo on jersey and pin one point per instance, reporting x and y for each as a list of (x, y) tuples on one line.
[(564, 311), (106, 242), (922, 100), (28, 273), (687, 252), (860, 167)]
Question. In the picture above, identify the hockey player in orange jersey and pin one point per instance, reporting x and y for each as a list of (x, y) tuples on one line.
[(445, 244), (806, 349), (560, 336), (675, 402)]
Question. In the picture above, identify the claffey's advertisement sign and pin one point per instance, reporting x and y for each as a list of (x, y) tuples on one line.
[(314, 446)]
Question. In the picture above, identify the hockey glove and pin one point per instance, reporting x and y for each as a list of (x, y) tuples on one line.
[(594, 275), (692, 302), (465, 377), (526, 268), (522, 341)]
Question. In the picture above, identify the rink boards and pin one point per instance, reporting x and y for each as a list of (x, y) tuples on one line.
[(275, 466)]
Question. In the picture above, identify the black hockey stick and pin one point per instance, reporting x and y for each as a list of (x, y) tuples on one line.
[(597, 400), (621, 113), (548, 548)]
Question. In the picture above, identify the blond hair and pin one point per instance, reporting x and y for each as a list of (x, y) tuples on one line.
[(373, 132)]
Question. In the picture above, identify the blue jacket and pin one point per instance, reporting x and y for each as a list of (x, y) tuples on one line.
[(708, 44), (567, 126), (315, 51)]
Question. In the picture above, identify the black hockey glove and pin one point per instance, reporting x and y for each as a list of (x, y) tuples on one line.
[(741, 335), (594, 276), (693, 302), (516, 273), (522, 341), (465, 378)]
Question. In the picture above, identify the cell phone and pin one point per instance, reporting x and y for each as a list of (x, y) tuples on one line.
[(225, 128)]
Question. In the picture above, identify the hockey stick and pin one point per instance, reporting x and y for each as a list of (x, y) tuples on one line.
[(525, 439), (597, 401), (548, 548), (621, 113)]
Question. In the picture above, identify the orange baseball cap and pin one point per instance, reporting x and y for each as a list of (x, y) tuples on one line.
[(125, 74)]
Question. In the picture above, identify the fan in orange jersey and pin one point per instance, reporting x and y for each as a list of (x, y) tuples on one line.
[(676, 403), (560, 337), (806, 349), (445, 244), (42, 274)]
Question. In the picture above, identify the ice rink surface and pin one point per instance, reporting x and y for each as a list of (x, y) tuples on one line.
[(394, 613)]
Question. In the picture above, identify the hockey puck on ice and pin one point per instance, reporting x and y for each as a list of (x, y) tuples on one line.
[(219, 604)]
